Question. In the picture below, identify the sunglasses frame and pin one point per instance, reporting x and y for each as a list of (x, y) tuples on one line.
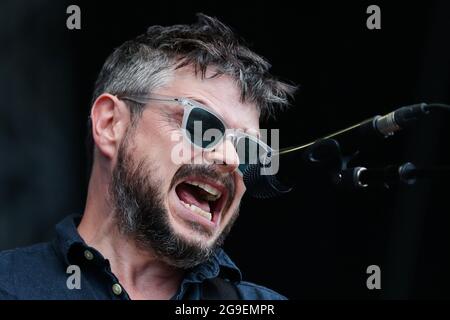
[(190, 105)]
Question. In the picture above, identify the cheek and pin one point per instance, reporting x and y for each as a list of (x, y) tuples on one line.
[(181, 151), (166, 141), (157, 147), (239, 191)]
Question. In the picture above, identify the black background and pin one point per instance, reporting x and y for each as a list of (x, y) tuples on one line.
[(315, 242)]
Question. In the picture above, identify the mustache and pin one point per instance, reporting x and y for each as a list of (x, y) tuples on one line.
[(206, 172)]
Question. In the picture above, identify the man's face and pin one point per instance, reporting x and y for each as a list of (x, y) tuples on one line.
[(182, 209)]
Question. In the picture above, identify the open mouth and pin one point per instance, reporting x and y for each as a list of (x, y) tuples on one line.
[(202, 198)]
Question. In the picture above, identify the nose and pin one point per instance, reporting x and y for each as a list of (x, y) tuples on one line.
[(224, 155)]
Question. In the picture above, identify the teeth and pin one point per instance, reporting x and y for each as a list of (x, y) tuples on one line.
[(197, 210), (214, 194)]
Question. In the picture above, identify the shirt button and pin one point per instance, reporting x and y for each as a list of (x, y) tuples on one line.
[(117, 289), (88, 255)]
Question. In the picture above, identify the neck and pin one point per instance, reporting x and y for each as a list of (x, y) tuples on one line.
[(140, 272)]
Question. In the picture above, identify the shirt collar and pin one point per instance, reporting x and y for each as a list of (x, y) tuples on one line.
[(69, 244), (67, 237)]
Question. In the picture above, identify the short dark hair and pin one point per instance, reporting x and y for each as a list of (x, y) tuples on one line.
[(142, 64)]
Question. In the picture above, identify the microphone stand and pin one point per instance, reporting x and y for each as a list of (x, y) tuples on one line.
[(327, 156), (406, 174)]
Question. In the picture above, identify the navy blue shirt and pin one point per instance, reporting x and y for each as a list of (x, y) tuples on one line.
[(43, 271)]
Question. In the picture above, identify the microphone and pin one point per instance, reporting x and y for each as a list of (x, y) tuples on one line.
[(378, 127), (396, 120), (325, 156)]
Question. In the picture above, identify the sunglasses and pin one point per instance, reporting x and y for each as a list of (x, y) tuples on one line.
[(205, 129)]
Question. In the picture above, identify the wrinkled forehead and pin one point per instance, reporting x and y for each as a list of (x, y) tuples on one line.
[(220, 93)]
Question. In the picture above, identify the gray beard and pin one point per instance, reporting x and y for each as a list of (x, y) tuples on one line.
[(142, 216)]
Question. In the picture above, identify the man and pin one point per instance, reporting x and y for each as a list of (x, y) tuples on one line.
[(160, 202)]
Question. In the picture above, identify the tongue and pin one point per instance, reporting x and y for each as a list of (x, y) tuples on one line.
[(191, 195)]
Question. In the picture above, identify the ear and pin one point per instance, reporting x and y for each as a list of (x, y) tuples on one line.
[(110, 119)]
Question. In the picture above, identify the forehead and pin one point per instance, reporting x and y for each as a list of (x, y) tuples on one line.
[(220, 93)]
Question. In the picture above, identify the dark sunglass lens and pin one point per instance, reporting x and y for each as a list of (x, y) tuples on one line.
[(204, 128)]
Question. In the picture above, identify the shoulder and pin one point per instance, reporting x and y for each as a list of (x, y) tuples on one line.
[(252, 291), (16, 258), (247, 290), (23, 267)]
